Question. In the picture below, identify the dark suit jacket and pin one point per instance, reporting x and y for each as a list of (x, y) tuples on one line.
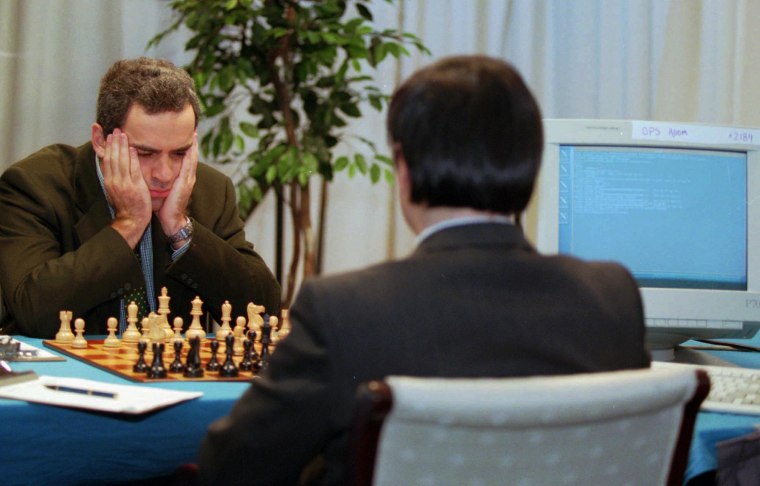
[(471, 301), (58, 251)]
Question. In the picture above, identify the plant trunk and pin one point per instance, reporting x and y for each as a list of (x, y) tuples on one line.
[(303, 237)]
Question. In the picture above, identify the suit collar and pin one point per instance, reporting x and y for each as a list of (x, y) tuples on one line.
[(475, 235)]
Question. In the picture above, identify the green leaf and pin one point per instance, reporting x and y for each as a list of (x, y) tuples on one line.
[(361, 163), (384, 159), (351, 109), (340, 163), (374, 173), (227, 138), (239, 143), (249, 129), (271, 174), (364, 11)]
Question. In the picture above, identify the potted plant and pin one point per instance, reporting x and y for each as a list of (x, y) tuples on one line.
[(280, 79)]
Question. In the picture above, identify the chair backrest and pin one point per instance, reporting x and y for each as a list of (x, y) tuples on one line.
[(630, 427)]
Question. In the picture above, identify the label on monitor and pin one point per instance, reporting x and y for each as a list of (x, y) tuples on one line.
[(664, 131)]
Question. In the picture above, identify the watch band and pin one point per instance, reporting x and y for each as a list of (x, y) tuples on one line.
[(183, 233)]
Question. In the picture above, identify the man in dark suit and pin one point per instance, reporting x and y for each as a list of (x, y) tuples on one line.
[(90, 228), (473, 300)]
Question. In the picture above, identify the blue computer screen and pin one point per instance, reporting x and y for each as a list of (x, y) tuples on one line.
[(677, 218)]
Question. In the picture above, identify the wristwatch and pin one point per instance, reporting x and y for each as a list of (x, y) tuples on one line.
[(184, 232)]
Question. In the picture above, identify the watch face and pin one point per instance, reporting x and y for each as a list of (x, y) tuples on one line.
[(184, 233)]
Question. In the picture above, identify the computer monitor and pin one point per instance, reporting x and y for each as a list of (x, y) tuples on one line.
[(678, 204)]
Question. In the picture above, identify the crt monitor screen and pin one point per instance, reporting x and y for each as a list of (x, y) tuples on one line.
[(675, 217)]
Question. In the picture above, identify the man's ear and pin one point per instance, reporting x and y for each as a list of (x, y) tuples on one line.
[(403, 178), (98, 139)]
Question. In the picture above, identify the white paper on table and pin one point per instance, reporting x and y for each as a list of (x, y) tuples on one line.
[(130, 399), (34, 353)]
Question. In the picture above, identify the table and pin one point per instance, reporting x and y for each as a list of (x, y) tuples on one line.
[(52, 445), (711, 427)]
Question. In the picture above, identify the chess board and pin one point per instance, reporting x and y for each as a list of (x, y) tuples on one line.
[(120, 361)]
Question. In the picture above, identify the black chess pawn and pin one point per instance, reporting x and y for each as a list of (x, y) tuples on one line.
[(177, 366), (213, 363), (229, 369), (263, 362), (254, 354), (141, 366), (247, 363), (157, 368), (193, 368)]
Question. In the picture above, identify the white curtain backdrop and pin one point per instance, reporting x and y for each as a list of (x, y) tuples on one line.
[(679, 60)]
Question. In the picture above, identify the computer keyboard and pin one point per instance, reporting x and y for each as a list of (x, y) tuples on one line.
[(732, 390)]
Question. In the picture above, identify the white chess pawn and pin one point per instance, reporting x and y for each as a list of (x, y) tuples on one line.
[(239, 333), (131, 335), (112, 341), (284, 328), (79, 341), (145, 330), (177, 329)]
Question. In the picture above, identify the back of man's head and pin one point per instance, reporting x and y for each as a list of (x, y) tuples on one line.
[(156, 85), (470, 133)]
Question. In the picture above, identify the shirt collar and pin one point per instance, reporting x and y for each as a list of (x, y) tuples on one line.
[(450, 223)]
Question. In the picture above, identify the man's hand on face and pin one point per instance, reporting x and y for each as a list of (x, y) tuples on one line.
[(173, 212), (126, 188)]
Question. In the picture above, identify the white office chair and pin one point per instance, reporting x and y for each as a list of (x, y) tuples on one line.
[(624, 428)]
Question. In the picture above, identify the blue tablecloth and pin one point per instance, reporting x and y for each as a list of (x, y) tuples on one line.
[(52, 445)]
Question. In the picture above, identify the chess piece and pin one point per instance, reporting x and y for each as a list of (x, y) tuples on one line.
[(266, 332), (229, 369), (156, 332), (79, 341), (145, 330), (193, 368), (163, 312), (254, 356), (176, 366), (225, 328), (238, 333), (255, 321), (177, 329), (64, 334), (112, 341), (157, 368), (195, 329), (141, 366), (284, 328), (131, 335), (247, 363), (213, 363)]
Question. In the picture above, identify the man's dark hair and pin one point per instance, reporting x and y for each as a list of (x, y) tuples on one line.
[(470, 132), (156, 85)]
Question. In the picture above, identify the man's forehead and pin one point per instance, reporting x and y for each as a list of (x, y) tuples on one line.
[(163, 131)]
